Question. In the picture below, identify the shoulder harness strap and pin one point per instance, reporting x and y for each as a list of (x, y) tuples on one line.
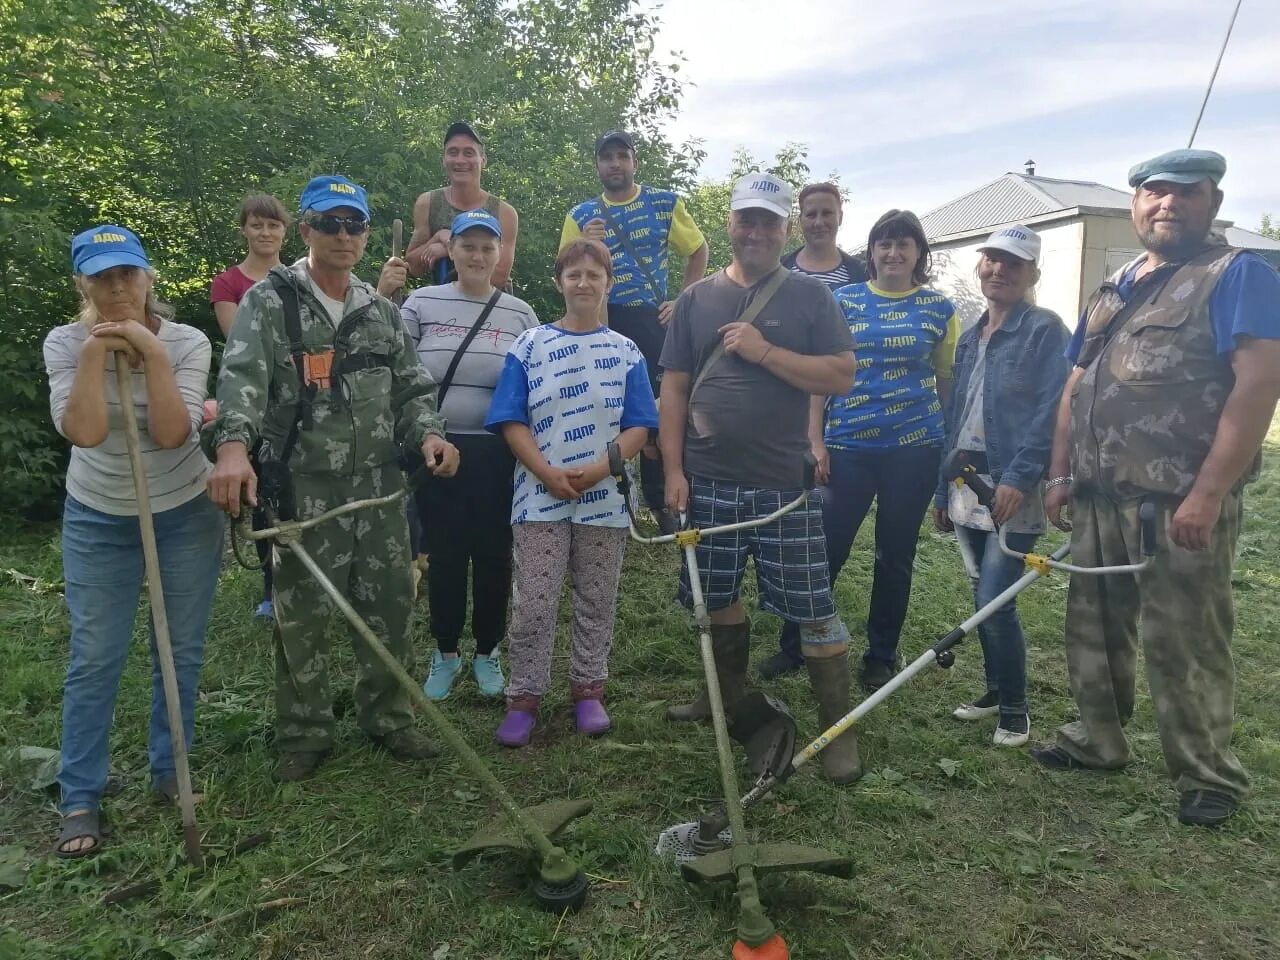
[(287, 290)]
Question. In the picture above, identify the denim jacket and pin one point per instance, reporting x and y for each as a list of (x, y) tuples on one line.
[(1026, 370)]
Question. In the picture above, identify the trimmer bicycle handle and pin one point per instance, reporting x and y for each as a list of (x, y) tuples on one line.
[(1147, 522), (810, 469), (958, 468), (617, 466)]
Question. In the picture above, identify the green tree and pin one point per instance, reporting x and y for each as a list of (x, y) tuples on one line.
[(162, 114), (1268, 229)]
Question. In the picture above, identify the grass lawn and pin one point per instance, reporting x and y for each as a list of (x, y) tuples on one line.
[(960, 850)]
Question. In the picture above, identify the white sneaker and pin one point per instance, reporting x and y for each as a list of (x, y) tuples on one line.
[(988, 705), (1012, 738)]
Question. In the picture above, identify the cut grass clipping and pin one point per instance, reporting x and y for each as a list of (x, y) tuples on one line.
[(960, 850)]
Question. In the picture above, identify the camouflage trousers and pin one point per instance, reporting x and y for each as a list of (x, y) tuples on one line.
[(366, 555), (1183, 601)]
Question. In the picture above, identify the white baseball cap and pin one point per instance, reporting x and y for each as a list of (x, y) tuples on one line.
[(762, 190), (1022, 242)]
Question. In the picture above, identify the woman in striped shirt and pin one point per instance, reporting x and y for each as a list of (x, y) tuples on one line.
[(821, 213), (101, 539)]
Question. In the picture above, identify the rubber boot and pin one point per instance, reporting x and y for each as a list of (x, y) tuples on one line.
[(731, 644), (830, 679), (516, 729), (589, 714)]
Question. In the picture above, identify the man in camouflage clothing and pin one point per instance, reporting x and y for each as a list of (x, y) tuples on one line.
[(337, 408), (1176, 379)]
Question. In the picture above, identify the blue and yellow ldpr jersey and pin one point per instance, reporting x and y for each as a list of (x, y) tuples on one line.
[(654, 220), (903, 342)]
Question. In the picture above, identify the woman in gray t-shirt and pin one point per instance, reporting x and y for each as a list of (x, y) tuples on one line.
[(466, 518), (102, 557)]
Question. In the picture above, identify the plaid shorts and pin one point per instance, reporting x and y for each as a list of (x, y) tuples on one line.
[(790, 553)]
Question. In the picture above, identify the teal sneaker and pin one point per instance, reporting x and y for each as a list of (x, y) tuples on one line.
[(443, 673), (488, 673)]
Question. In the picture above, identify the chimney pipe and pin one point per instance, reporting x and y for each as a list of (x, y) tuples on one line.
[(1031, 167)]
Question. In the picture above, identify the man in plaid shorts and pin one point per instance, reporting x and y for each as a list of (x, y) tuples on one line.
[(736, 398)]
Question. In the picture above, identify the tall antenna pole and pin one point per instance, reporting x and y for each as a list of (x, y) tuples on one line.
[(1214, 75)]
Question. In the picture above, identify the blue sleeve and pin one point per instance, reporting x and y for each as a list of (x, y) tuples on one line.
[(1076, 343), (638, 406), (1245, 303), (1047, 359), (510, 397)]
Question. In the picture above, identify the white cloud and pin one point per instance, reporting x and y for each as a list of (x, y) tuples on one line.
[(874, 91)]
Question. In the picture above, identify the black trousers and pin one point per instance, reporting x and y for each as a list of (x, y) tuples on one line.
[(901, 482), (640, 324), (466, 528)]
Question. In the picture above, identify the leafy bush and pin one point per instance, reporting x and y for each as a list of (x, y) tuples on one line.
[(161, 116)]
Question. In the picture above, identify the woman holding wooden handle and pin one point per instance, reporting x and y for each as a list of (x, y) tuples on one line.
[(102, 548)]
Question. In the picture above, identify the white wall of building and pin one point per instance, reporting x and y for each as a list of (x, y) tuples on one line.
[(1109, 243), (1060, 272)]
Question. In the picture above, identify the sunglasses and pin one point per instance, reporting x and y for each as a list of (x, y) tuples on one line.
[(331, 225)]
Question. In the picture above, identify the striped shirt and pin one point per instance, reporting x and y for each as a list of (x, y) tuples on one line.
[(834, 279), (100, 477)]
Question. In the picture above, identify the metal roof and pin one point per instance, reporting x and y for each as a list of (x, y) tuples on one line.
[(1015, 197), (1240, 237)]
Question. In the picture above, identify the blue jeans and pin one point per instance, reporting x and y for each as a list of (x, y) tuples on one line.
[(1004, 647), (103, 566)]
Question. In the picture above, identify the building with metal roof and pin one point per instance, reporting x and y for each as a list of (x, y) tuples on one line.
[(1085, 228)]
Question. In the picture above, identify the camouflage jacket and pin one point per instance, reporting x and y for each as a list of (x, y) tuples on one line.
[(362, 418), (1146, 410)]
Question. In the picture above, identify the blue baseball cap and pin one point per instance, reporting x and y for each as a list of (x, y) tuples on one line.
[(325, 193), (1180, 166), (104, 247), (476, 218)]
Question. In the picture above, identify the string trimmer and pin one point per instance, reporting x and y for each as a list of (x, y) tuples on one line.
[(743, 860), (684, 841), (558, 884)]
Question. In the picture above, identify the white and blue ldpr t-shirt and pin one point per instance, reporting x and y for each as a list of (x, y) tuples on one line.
[(575, 392)]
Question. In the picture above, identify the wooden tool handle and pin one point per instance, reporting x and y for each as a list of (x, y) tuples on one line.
[(159, 616)]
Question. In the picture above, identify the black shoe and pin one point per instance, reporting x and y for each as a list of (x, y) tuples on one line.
[(298, 765), (408, 744), (1055, 758), (777, 665), (876, 673), (1206, 808)]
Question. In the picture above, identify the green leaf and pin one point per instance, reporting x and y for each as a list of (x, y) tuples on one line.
[(13, 868)]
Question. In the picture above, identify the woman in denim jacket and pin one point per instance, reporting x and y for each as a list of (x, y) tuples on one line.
[(1010, 369)]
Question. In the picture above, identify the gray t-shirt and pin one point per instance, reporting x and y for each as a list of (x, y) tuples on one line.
[(746, 425), (100, 477), (438, 319)]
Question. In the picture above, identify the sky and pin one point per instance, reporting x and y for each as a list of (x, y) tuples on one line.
[(916, 103)]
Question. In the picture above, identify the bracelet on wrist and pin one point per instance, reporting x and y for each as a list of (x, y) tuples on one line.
[(1059, 481), (764, 356)]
